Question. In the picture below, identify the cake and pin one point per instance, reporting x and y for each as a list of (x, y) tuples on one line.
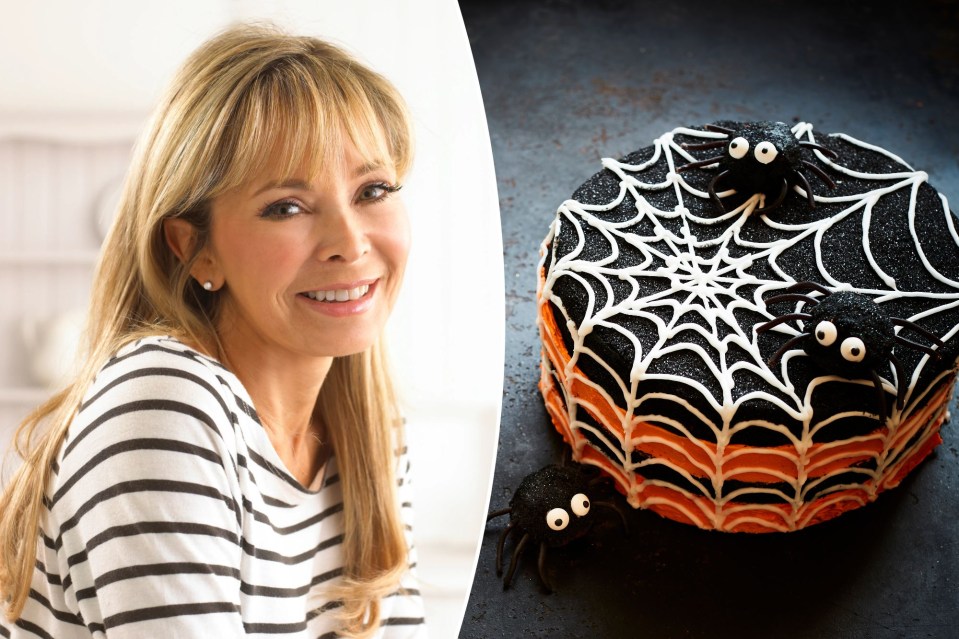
[(751, 327)]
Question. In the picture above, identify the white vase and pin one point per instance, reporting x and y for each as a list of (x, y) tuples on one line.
[(52, 345)]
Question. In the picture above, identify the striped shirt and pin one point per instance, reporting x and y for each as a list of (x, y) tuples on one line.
[(170, 514)]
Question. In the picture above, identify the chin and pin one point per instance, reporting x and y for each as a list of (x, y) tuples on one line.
[(347, 345)]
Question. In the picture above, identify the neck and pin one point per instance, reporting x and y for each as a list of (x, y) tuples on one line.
[(283, 389), (283, 385)]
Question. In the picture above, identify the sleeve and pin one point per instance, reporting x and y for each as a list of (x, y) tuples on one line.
[(147, 508), (402, 612)]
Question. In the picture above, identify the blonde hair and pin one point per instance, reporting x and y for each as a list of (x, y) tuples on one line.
[(248, 96)]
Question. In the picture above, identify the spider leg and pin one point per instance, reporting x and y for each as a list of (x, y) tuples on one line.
[(898, 321), (805, 184), (779, 199), (712, 191), (773, 323), (718, 129), (791, 297), (699, 164), (599, 479), (812, 145), (515, 560), (499, 547), (928, 350), (617, 510), (883, 414), (498, 513), (808, 286), (900, 374), (715, 144), (785, 347), (822, 174), (541, 567)]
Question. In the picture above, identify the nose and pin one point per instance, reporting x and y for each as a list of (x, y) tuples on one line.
[(342, 237)]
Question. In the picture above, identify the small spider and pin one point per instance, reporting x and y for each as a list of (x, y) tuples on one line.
[(551, 507), (775, 162), (850, 336)]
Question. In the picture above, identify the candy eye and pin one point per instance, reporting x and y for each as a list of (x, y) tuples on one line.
[(738, 148), (766, 152), (557, 519), (826, 333), (580, 504), (852, 349)]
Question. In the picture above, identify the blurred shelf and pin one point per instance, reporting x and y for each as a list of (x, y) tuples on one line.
[(25, 395), (49, 258), (71, 127)]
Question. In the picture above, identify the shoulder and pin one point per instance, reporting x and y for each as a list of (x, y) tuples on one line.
[(148, 474), (155, 387), (157, 366), (158, 370)]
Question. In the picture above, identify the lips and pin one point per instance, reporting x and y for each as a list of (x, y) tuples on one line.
[(339, 294), (342, 298)]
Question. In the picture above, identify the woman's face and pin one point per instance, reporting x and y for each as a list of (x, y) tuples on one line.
[(310, 268)]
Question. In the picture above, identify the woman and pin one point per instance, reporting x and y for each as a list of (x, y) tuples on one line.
[(229, 462)]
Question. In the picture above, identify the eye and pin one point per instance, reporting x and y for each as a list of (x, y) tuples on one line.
[(580, 504), (766, 152), (852, 349), (282, 209), (557, 519), (738, 148), (826, 333), (376, 191)]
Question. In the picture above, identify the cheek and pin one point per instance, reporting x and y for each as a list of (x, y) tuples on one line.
[(256, 259), (393, 242)]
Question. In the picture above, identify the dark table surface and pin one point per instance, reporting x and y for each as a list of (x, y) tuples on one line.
[(567, 83)]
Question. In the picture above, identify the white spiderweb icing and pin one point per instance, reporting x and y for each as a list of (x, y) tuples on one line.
[(696, 276)]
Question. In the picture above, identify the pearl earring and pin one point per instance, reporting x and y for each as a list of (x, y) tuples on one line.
[(208, 285)]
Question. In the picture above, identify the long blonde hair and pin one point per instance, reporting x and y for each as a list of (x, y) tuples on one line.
[(248, 96)]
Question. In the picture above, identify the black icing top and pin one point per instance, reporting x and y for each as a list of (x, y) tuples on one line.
[(658, 292)]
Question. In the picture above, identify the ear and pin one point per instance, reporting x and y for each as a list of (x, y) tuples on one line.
[(180, 236)]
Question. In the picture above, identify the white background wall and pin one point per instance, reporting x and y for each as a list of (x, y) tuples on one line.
[(76, 84)]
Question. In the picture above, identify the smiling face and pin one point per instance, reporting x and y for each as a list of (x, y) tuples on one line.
[(308, 266)]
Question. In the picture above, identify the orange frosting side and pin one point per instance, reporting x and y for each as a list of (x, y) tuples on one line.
[(705, 462)]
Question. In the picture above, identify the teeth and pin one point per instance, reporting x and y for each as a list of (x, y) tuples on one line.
[(339, 295)]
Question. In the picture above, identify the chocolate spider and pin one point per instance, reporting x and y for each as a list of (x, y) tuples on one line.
[(551, 507), (848, 334), (761, 157)]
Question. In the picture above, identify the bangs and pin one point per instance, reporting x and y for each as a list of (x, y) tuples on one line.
[(293, 119)]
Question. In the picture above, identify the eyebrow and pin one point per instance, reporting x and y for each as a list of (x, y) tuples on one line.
[(296, 183), (284, 184), (368, 167)]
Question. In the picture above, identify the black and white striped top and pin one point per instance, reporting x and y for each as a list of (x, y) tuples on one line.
[(171, 515)]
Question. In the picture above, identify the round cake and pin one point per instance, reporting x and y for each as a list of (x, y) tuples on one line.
[(749, 326)]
